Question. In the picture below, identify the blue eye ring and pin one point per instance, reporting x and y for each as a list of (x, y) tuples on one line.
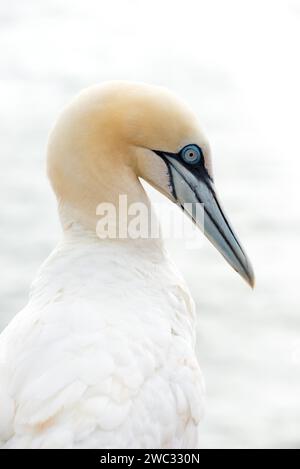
[(191, 154)]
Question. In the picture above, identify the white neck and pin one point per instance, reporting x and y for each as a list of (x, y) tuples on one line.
[(81, 258)]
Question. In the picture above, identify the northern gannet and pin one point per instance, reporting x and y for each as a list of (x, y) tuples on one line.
[(103, 355)]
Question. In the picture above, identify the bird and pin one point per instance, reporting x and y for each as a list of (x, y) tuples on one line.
[(103, 355)]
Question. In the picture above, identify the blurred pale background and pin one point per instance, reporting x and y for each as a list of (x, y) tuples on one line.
[(237, 63)]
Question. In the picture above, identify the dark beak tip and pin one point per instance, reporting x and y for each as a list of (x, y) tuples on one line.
[(249, 275), (251, 282)]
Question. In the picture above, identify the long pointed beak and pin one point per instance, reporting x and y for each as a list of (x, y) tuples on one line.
[(193, 186)]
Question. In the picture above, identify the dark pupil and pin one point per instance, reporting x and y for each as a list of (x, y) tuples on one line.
[(191, 154)]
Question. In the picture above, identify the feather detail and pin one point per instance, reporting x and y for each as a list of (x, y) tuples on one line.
[(103, 355)]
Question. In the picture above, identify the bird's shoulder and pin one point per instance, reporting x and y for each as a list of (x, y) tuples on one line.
[(84, 364), (70, 376)]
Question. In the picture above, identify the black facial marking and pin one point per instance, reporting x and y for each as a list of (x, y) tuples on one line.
[(199, 168), (173, 190)]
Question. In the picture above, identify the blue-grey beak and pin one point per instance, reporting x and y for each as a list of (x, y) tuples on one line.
[(192, 186)]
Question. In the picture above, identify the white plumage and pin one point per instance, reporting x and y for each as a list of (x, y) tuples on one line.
[(109, 333)]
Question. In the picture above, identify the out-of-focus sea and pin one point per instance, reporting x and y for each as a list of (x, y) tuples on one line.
[(237, 64)]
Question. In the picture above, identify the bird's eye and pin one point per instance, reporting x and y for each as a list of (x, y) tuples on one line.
[(191, 154)]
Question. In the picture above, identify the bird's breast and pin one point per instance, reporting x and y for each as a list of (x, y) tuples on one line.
[(106, 344)]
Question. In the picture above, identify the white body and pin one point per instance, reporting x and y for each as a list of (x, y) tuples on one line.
[(103, 356)]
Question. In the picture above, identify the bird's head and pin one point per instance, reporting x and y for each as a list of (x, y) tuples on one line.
[(115, 133)]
